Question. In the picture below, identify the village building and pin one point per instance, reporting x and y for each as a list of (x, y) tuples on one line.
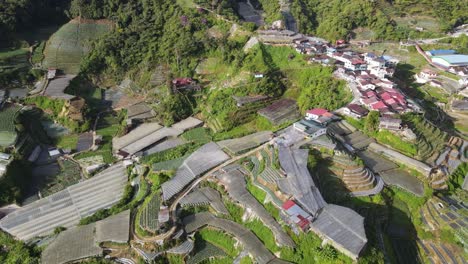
[(460, 105), (440, 52), (388, 123), (461, 71), (181, 84), (51, 73), (425, 76), (448, 61), (435, 83), (311, 128), (355, 111), (320, 116), (297, 215)]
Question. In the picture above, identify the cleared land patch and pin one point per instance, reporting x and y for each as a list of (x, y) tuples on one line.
[(70, 43), (7, 125)]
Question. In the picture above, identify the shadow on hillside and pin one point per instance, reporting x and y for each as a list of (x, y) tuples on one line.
[(383, 222), (387, 223)]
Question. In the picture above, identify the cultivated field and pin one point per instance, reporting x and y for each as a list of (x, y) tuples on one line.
[(70, 43), (7, 125)]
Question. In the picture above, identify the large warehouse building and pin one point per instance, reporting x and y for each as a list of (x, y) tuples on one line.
[(455, 60)]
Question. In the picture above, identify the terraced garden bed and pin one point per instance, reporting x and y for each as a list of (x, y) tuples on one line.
[(7, 125), (148, 215)]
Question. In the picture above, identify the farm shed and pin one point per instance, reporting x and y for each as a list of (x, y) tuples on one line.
[(67, 207), (165, 145), (250, 242), (115, 228), (205, 196), (280, 111), (188, 123), (234, 181), (243, 100), (85, 141), (134, 135), (400, 158), (155, 137), (460, 105), (343, 228), (239, 145), (82, 241), (57, 86), (182, 249), (299, 182), (71, 245), (203, 159), (140, 111)]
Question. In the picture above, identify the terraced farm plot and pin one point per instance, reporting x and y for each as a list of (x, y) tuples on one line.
[(431, 140), (148, 218), (70, 173), (198, 135), (70, 43), (12, 60), (207, 251), (8, 133)]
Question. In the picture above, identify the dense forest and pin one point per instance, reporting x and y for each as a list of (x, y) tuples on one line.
[(20, 15), (335, 19)]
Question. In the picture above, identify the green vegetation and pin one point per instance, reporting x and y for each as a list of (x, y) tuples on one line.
[(67, 142), (15, 251), (456, 179), (460, 43), (8, 117), (263, 233), (394, 141), (109, 125), (54, 105), (271, 9), (169, 165), (70, 43), (431, 140), (220, 239), (38, 53), (371, 124), (147, 216), (170, 154), (319, 89), (199, 135), (15, 183), (70, 173), (309, 248), (125, 203), (336, 19)]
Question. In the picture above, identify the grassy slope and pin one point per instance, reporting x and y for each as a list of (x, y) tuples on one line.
[(70, 43)]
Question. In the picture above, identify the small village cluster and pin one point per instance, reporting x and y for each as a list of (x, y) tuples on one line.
[(367, 73)]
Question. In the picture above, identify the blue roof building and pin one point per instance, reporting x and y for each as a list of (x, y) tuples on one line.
[(456, 60), (440, 52)]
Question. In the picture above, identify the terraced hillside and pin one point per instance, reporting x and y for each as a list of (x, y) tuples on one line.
[(430, 139), (71, 42), (7, 125)]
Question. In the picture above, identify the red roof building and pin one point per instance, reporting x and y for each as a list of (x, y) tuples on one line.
[(379, 105), (288, 204), (178, 82), (317, 111)]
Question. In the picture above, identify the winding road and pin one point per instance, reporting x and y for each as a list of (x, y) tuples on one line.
[(173, 207)]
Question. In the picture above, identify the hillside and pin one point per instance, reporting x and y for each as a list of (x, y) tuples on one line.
[(337, 18), (71, 43)]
